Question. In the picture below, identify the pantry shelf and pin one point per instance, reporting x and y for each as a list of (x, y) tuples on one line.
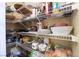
[(21, 20), (70, 38), (29, 18)]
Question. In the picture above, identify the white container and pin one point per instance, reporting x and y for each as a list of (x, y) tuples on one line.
[(43, 31), (34, 45), (62, 30), (15, 51), (42, 47)]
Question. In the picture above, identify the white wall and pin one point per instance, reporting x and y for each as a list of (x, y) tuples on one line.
[(75, 23), (2, 30)]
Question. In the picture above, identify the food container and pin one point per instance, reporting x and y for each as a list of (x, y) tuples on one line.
[(62, 30), (43, 31), (15, 52), (25, 39), (21, 8), (42, 47), (34, 45), (36, 54)]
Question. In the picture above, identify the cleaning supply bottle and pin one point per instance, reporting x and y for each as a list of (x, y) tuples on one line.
[(55, 8)]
